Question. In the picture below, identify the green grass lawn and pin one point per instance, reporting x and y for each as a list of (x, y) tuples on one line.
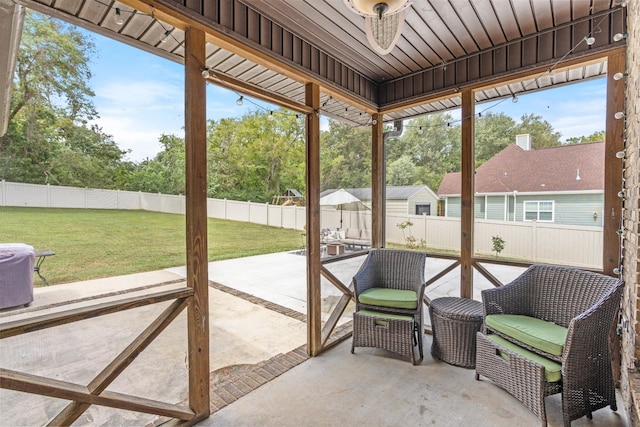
[(90, 244)]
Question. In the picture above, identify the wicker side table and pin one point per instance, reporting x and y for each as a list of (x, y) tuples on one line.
[(454, 323)]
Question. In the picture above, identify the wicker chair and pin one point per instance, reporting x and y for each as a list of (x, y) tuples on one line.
[(586, 304), (399, 270)]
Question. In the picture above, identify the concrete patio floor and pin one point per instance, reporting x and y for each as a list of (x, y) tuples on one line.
[(260, 373)]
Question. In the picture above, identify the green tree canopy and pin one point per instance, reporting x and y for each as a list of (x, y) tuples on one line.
[(594, 137), (48, 137)]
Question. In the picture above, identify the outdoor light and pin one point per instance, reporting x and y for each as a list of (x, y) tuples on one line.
[(118, 18), (620, 154), (374, 121), (619, 76), (589, 40), (165, 37), (514, 99), (240, 100), (619, 115), (621, 194), (205, 72), (270, 116), (383, 21), (617, 271), (420, 132), (619, 36)]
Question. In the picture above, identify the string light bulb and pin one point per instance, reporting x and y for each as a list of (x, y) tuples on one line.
[(117, 17), (165, 37), (590, 40), (617, 271), (619, 115), (205, 72), (620, 36), (270, 116), (619, 76), (240, 101), (620, 154), (420, 131), (514, 98)]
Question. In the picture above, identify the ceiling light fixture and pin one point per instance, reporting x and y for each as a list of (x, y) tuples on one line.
[(165, 36), (117, 17), (383, 21), (619, 36)]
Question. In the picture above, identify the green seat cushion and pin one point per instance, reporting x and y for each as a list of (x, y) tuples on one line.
[(386, 315), (552, 369), (545, 336), (385, 297)]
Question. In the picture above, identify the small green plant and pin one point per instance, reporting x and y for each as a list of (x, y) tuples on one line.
[(498, 244), (410, 241)]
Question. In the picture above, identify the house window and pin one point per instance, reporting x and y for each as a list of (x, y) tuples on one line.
[(541, 211), (423, 208)]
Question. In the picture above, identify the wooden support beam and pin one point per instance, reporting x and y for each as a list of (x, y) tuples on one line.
[(377, 183), (613, 165), (467, 192), (196, 222), (34, 384), (37, 323), (73, 411), (314, 301)]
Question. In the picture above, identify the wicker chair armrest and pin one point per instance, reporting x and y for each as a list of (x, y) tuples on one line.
[(365, 277), (512, 298), (590, 329)]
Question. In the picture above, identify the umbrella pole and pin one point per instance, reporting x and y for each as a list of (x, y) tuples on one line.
[(340, 217)]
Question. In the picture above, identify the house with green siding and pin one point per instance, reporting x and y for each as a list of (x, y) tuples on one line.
[(560, 185)]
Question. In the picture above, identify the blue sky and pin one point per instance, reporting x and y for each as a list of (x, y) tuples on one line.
[(139, 96)]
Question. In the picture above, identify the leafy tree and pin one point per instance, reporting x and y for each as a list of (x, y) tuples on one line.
[(254, 157), (165, 173), (48, 139), (432, 143), (402, 172), (541, 131), (345, 156), (493, 132), (594, 137)]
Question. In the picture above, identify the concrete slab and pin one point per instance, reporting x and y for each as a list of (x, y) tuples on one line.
[(373, 387)]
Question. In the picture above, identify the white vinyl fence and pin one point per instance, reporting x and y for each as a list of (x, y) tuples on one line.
[(535, 242)]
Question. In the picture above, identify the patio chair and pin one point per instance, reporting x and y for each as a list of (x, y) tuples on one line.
[(548, 331), (389, 287)]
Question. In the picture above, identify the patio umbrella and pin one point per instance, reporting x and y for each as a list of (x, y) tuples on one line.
[(344, 201)]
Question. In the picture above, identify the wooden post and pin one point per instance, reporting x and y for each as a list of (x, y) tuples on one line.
[(613, 165), (612, 185), (467, 190), (196, 219), (314, 309), (377, 183)]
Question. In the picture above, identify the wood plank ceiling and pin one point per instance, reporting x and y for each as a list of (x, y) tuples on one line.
[(443, 42)]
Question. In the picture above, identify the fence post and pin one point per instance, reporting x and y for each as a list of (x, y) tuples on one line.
[(534, 230), (48, 195), (4, 193)]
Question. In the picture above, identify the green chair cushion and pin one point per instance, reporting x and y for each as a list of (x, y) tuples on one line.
[(385, 297), (386, 315), (545, 336), (552, 369)]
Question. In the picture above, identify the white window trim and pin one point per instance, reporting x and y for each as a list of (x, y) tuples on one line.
[(537, 210)]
